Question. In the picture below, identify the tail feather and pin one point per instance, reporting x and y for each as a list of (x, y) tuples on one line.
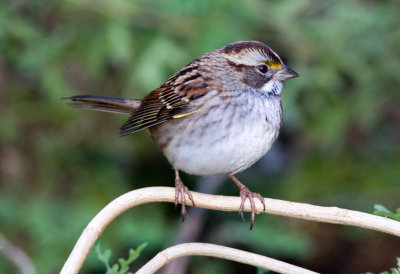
[(105, 103)]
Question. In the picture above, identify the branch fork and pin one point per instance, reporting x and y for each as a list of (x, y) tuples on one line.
[(225, 203)]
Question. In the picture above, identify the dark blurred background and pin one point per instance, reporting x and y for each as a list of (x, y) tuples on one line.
[(339, 145)]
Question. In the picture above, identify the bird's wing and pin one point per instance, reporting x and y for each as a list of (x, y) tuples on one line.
[(173, 100)]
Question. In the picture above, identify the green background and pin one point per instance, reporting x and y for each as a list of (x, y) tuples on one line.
[(339, 145)]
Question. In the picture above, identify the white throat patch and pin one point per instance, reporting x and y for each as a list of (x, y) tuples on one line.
[(272, 87)]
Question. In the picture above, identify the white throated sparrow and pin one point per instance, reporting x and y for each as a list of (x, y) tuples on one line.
[(219, 114)]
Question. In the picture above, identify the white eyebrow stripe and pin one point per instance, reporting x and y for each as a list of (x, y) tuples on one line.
[(253, 57)]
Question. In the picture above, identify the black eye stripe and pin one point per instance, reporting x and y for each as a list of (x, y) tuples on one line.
[(262, 68)]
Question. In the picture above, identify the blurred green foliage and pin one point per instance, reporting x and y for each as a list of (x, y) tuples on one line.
[(340, 140), (122, 266)]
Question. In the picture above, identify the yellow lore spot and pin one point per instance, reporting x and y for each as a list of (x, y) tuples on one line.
[(273, 64)]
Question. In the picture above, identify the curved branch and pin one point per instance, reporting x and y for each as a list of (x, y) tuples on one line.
[(17, 256), (222, 252), (226, 203)]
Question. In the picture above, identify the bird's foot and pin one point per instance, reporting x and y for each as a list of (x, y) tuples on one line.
[(181, 190), (246, 193)]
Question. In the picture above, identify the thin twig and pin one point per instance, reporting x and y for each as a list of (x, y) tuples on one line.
[(222, 252), (224, 203), (17, 256)]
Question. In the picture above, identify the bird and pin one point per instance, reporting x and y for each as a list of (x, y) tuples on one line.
[(217, 115)]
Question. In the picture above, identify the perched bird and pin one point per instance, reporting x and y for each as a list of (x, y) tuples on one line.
[(219, 114)]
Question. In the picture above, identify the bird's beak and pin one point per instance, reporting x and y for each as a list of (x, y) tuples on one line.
[(286, 73)]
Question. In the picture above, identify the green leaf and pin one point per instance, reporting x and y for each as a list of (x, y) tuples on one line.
[(384, 212), (381, 208), (262, 270), (122, 266), (134, 254), (114, 269), (104, 257)]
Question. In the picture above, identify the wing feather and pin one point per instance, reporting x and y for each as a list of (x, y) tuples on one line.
[(173, 100)]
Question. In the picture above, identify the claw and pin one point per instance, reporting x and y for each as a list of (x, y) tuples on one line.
[(244, 194), (181, 190), (242, 216)]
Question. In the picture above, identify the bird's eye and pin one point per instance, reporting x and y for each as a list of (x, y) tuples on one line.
[(262, 68)]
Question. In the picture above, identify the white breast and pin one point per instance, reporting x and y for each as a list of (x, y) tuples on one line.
[(223, 139)]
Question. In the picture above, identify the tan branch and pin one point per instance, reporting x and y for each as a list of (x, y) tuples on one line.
[(222, 252), (167, 194)]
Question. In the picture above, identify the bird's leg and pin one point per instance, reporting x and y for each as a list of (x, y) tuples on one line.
[(181, 189), (246, 193)]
